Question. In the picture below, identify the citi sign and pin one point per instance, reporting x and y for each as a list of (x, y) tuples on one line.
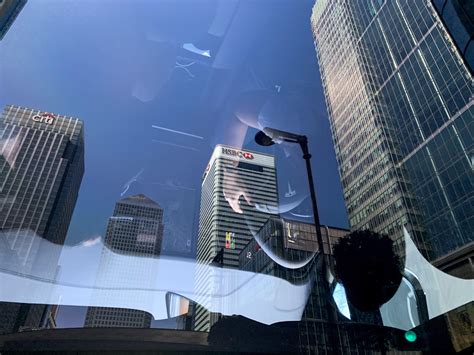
[(237, 153), (47, 118)]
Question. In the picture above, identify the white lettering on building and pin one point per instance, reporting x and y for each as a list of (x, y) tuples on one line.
[(237, 153), (47, 118)]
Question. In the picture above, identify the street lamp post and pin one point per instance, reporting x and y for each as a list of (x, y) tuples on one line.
[(270, 136)]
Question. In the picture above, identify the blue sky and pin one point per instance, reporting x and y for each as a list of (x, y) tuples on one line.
[(86, 58), (112, 64)]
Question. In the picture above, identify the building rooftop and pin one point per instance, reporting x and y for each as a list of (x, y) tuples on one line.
[(140, 199)]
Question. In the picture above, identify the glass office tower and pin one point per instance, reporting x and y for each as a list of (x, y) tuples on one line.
[(136, 228), (41, 169), (400, 102), (231, 177)]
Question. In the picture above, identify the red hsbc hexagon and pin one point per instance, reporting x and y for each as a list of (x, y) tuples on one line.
[(248, 155)]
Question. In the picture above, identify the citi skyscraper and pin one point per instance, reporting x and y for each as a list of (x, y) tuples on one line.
[(239, 193), (400, 102), (41, 169)]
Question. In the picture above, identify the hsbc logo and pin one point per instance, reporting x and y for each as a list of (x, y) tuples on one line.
[(47, 118), (237, 153)]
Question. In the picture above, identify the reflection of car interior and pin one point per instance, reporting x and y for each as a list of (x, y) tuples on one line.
[(290, 192), (441, 291), (230, 33)]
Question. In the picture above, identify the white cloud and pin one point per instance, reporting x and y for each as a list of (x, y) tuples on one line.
[(91, 241)]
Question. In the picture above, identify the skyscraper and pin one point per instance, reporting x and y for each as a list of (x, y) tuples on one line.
[(136, 228), (400, 102), (234, 181), (42, 164), (9, 10), (458, 17)]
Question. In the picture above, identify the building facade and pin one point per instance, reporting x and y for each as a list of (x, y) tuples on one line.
[(400, 103), (234, 181), (136, 228), (9, 10), (458, 17), (322, 328), (292, 241), (41, 169)]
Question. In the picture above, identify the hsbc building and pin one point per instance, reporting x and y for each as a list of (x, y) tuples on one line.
[(238, 195)]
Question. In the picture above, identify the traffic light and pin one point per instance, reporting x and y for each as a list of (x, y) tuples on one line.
[(410, 336)]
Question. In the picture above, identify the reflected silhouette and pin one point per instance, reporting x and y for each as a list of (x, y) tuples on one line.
[(368, 267)]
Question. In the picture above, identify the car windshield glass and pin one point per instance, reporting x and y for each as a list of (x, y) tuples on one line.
[(237, 175)]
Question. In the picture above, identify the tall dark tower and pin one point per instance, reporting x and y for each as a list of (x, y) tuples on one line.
[(41, 169), (136, 228), (400, 100)]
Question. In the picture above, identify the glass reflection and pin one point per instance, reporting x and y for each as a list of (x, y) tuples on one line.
[(155, 207)]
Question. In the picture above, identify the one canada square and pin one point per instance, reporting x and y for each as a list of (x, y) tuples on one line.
[(234, 181), (41, 169), (400, 100)]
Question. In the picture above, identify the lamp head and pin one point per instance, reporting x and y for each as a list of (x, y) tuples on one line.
[(262, 139)]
